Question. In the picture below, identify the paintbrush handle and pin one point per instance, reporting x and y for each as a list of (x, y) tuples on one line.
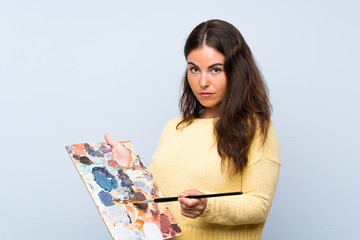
[(215, 195), (172, 199), (166, 199)]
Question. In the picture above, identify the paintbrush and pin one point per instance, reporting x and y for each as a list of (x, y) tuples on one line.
[(172, 199)]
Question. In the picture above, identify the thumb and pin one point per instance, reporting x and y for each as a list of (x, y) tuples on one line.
[(109, 140)]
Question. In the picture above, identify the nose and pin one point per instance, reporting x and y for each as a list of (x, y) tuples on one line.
[(204, 81)]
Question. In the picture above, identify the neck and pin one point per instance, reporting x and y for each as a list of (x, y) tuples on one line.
[(209, 113)]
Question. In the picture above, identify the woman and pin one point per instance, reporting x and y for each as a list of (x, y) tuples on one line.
[(223, 142)]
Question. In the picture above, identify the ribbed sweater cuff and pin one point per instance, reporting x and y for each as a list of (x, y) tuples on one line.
[(208, 214)]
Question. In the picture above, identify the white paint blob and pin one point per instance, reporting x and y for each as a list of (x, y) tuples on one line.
[(134, 174), (118, 214), (120, 232), (143, 184), (140, 180), (152, 232), (96, 160)]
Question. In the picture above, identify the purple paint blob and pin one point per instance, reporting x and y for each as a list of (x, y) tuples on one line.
[(105, 149), (154, 191), (69, 149), (176, 227), (125, 180)]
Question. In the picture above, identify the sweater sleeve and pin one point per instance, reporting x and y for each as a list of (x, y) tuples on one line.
[(259, 180), (171, 124)]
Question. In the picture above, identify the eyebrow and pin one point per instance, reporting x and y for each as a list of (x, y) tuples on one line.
[(213, 65)]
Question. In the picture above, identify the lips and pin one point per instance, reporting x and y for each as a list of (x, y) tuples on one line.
[(206, 94)]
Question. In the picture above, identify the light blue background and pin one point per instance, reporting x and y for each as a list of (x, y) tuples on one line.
[(72, 70)]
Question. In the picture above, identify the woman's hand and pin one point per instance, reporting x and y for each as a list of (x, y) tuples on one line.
[(190, 207), (119, 153)]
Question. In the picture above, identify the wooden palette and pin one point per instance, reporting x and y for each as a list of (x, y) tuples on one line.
[(113, 188)]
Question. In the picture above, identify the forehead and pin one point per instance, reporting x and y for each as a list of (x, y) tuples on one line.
[(205, 55)]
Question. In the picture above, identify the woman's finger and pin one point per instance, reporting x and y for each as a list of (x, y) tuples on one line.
[(189, 202), (110, 140), (183, 206), (197, 208), (120, 154), (186, 214)]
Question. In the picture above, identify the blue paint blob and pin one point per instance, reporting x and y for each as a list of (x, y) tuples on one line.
[(106, 198), (104, 179)]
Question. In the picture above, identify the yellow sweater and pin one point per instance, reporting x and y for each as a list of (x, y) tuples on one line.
[(188, 159)]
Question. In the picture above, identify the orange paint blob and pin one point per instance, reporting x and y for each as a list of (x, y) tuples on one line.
[(139, 224), (79, 149), (113, 164)]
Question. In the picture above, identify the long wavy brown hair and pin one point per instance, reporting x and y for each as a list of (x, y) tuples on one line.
[(245, 107)]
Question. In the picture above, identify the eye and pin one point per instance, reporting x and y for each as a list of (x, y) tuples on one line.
[(194, 69), (216, 70)]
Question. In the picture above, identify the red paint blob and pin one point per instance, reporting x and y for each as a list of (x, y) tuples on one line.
[(164, 223)]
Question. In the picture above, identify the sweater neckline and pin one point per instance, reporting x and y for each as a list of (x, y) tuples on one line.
[(205, 120)]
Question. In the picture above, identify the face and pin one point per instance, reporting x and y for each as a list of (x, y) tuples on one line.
[(207, 78)]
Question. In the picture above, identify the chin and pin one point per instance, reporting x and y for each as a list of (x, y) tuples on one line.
[(208, 105)]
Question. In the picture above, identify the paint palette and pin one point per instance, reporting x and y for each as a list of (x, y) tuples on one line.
[(113, 189)]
